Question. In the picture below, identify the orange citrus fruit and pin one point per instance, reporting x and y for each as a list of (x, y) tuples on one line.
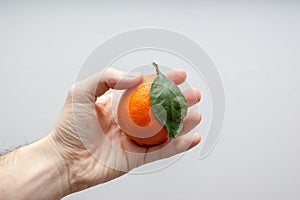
[(135, 116), (153, 111)]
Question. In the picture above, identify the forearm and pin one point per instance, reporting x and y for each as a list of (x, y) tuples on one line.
[(33, 172)]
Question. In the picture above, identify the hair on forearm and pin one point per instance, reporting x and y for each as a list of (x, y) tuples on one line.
[(3, 152), (7, 156), (13, 150)]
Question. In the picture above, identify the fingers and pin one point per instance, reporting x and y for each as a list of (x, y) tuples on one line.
[(115, 79), (99, 83), (176, 146), (178, 76), (185, 143), (192, 119), (192, 96)]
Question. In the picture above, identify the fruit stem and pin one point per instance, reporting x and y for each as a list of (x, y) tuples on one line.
[(156, 67)]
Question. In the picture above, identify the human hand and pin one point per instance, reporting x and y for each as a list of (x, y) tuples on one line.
[(93, 147)]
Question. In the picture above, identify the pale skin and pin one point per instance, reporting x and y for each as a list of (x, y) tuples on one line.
[(60, 164)]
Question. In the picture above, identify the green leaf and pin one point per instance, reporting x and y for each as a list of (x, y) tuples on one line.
[(168, 104)]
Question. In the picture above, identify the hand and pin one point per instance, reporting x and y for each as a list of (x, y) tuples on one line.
[(92, 145)]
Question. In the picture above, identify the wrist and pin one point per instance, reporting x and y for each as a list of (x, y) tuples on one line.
[(35, 171), (56, 166)]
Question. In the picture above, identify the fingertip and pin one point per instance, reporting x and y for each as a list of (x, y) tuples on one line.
[(196, 140), (195, 115), (191, 120), (187, 141), (197, 93), (129, 80), (181, 72), (192, 96), (178, 76), (181, 76)]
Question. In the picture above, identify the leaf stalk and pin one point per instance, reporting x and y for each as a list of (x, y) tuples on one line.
[(156, 67)]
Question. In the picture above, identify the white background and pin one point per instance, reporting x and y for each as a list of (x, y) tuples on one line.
[(255, 46)]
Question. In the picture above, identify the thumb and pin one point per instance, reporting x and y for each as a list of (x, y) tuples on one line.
[(97, 84)]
